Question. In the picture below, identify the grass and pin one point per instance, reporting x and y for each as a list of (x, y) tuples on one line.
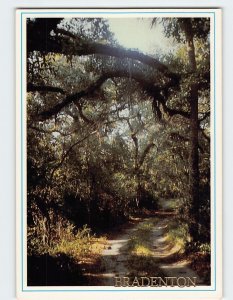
[(177, 234), (141, 261), (82, 246), (140, 244), (66, 259), (79, 245)]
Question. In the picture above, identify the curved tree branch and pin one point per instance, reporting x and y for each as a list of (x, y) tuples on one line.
[(44, 42), (44, 88), (145, 152), (147, 85)]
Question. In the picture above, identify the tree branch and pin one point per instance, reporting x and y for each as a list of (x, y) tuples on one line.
[(43, 41), (171, 112), (43, 88), (147, 85), (145, 152), (69, 150)]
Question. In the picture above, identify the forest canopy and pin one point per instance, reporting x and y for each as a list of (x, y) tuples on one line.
[(113, 131)]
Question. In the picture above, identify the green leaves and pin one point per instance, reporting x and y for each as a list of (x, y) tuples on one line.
[(108, 127)]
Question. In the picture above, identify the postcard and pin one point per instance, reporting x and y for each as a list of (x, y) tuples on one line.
[(119, 160)]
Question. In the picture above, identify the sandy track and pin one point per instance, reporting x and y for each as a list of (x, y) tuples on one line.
[(115, 257)]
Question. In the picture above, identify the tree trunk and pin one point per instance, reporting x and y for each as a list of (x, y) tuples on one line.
[(193, 165), (193, 152)]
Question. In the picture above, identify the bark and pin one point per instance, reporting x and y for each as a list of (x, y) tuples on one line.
[(194, 126), (69, 44), (44, 88), (193, 164)]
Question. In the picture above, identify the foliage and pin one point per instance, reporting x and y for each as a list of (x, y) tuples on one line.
[(108, 134), (77, 244)]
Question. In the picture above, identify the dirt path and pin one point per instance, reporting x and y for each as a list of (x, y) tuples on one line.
[(163, 251), (115, 257)]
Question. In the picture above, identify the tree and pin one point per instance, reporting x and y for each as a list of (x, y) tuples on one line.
[(85, 107), (189, 30)]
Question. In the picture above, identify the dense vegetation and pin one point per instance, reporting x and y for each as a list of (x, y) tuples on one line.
[(110, 131)]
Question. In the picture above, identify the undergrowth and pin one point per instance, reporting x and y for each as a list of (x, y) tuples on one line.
[(78, 244)]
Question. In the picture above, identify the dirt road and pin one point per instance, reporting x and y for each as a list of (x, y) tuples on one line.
[(115, 258)]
